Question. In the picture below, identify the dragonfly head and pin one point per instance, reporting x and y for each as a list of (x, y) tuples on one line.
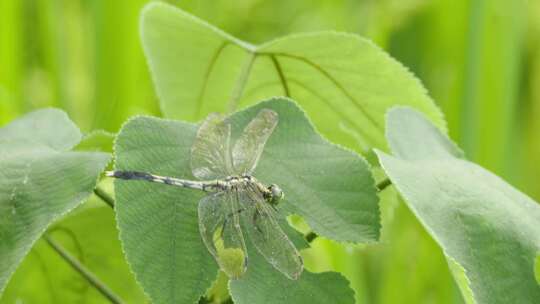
[(276, 194)]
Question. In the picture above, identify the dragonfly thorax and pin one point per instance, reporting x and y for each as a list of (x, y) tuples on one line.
[(272, 194)]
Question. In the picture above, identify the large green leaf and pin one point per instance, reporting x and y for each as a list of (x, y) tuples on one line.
[(40, 180), (487, 228), (344, 82), (330, 187), (263, 285), (261, 281), (158, 223), (89, 234)]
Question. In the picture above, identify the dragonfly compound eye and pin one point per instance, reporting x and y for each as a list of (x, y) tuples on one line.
[(277, 193)]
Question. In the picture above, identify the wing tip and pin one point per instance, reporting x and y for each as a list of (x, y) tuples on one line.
[(268, 114)]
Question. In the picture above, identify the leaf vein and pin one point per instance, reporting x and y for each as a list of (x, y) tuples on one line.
[(351, 123), (207, 74), (281, 75), (338, 85)]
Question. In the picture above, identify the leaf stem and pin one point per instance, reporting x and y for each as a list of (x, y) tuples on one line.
[(104, 196), (310, 236), (83, 271), (383, 184)]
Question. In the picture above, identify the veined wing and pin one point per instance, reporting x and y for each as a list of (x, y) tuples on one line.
[(260, 222), (211, 150), (249, 147), (219, 225)]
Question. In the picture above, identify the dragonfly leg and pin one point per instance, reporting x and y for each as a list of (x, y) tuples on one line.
[(256, 216)]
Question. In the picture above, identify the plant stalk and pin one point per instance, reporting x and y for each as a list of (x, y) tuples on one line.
[(383, 184), (104, 196), (83, 271)]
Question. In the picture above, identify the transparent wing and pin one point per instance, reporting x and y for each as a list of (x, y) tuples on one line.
[(211, 150), (248, 148), (260, 222), (219, 225)]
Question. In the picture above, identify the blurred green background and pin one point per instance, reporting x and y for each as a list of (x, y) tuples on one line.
[(479, 60)]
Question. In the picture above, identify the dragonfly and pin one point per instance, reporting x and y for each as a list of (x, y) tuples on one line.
[(236, 202)]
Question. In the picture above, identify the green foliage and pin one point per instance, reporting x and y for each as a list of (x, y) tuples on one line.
[(41, 180), (261, 281), (479, 60), (341, 80), (484, 225), (158, 223), (263, 285), (330, 187), (89, 233), (98, 140), (537, 269)]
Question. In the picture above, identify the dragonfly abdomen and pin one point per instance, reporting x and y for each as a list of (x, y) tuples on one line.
[(136, 175), (230, 182)]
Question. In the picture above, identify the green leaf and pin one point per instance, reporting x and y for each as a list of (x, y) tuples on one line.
[(89, 233), (158, 223), (537, 269), (461, 279), (263, 285), (344, 82), (46, 127), (488, 228), (330, 187), (41, 180), (261, 281), (98, 140)]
